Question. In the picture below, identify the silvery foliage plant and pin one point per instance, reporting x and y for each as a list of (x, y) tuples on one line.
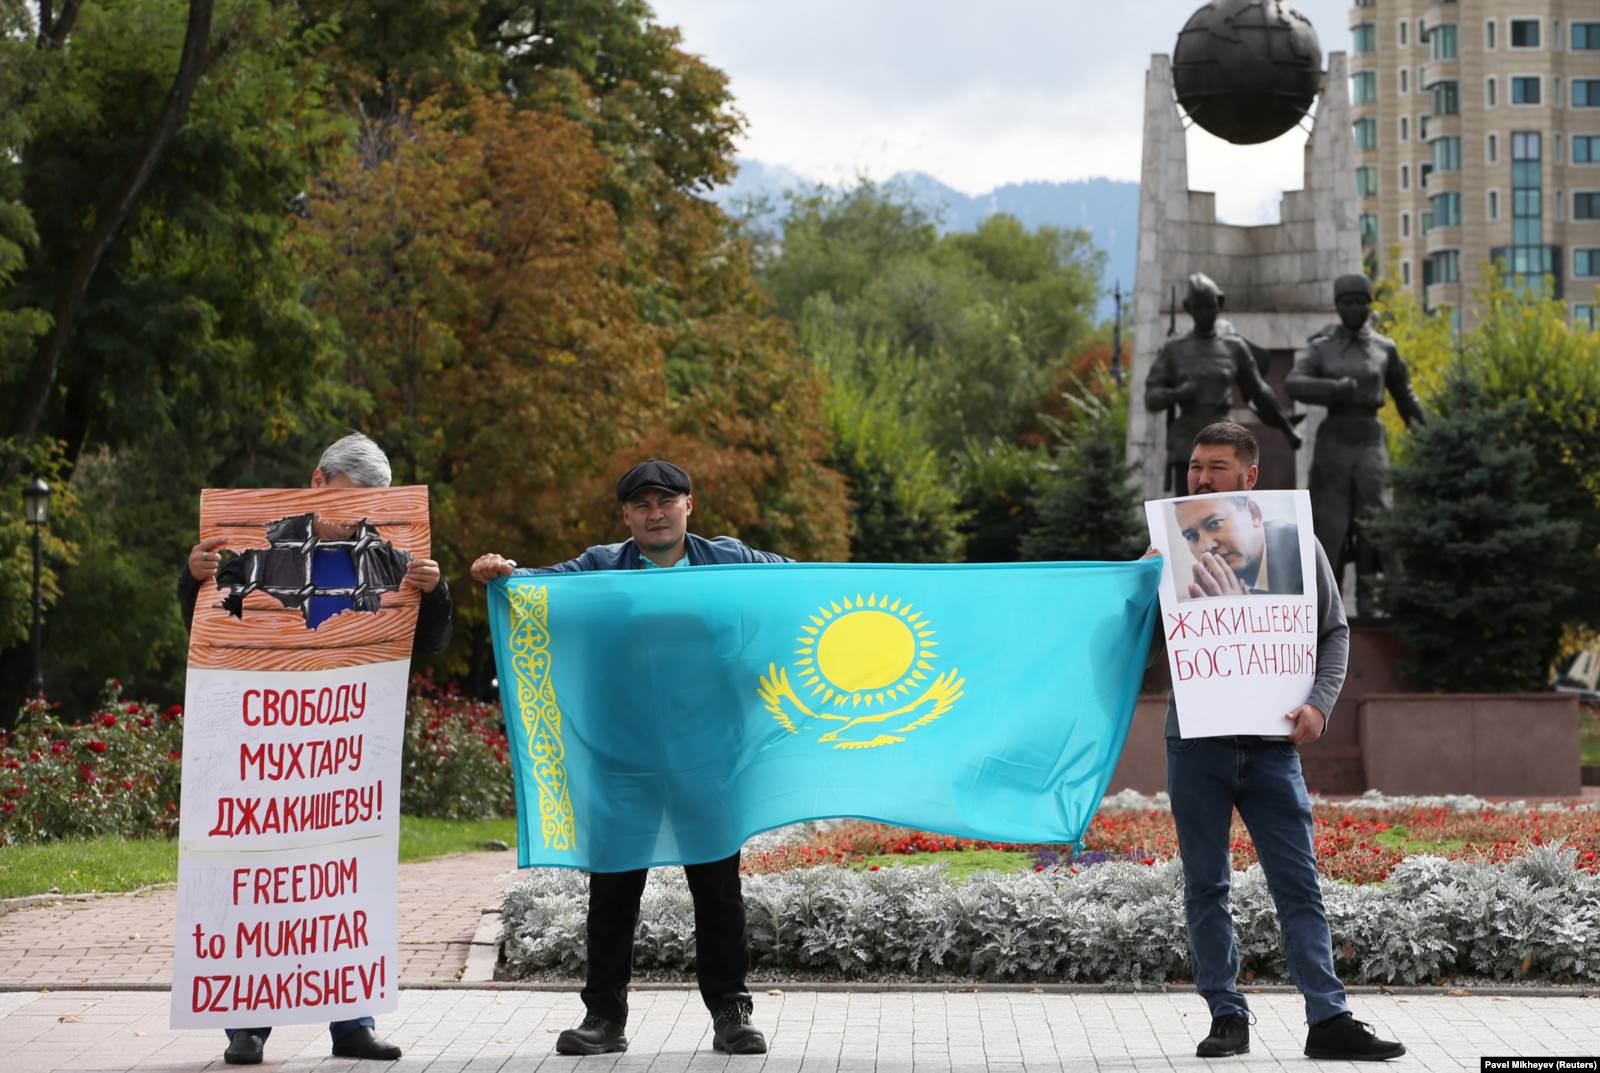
[(1536, 917)]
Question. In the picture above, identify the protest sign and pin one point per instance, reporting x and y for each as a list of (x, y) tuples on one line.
[(1238, 608), (294, 723)]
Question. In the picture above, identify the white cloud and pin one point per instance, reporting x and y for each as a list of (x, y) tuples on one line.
[(975, 95)]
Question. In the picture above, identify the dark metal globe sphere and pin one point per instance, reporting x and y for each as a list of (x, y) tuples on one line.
[(1247, 70)]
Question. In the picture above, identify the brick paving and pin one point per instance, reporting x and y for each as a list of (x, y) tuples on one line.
[(121, 940), (479, 1031)]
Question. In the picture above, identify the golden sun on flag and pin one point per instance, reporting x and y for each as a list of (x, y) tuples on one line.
[(869, 651), (873, 655)]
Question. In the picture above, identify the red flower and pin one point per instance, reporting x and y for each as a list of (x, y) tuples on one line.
[(127, 784), (176, 754), (34, 756), (111, 720), (176, 709), (58, 748), (132, 706), (96, 746), (147, 722)]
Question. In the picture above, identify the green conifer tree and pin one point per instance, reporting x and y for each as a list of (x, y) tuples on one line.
[(1478, 566), (1088, 509)]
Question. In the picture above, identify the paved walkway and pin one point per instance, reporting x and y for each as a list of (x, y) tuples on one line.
[(475, 1031), (118, 940)]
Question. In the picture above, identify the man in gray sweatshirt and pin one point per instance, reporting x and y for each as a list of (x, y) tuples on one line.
[(1208, 778)]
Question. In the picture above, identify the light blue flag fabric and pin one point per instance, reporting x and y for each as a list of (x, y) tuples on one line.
[(665, 716)]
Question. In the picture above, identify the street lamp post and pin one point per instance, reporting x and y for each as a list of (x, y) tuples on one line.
[(36, 505), (1116, 338)]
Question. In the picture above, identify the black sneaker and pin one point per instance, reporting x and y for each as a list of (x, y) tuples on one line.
[(364, 1043), (245, 1048), (732, 1032), (1344, 1038), (1230, 1035), (595, 1035)]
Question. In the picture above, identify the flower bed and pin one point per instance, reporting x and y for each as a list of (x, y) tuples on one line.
[(457, 764), (1360, 841), (117, 773), (1537, 917)]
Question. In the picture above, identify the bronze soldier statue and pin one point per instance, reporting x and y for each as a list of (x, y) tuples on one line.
[(1347, 370), (1195, 373)]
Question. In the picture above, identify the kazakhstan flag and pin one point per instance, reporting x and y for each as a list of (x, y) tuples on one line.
[(665, 716)]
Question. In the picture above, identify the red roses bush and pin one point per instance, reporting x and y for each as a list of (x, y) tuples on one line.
[(118, 772), (457, 762), (115, 774)]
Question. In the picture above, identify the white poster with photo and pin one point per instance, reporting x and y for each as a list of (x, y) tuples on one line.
[(294, 726), (1238, 608)]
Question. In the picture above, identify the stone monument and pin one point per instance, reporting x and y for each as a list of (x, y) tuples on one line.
[(1247, 70), (1348, 369), (1196, 375)]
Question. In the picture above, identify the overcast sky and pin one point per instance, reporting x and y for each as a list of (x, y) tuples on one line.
[(975, 94)]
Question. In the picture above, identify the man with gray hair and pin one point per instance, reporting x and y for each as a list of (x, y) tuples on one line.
[(351, 462)]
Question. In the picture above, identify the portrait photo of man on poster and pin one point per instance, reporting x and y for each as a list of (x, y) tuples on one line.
[(1235, 544)]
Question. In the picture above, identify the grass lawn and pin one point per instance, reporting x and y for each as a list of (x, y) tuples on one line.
[(113, 864), (1399, 837), (962, 862), (422, 840)]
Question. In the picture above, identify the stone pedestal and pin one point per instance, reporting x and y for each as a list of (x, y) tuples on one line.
[(1143, 765), (1489, 744)]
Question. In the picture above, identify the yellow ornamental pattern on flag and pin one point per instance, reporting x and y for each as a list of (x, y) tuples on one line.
[(541, 715), (867, 664)]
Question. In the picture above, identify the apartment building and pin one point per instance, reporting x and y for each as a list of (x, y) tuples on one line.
[(1477, 131)]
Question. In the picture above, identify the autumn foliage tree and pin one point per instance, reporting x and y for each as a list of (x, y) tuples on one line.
[(495, 343)]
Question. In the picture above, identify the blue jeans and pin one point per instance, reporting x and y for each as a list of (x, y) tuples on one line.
[(1207, 778), (336, 1029)]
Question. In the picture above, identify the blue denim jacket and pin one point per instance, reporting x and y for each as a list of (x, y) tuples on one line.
[(717, 551)]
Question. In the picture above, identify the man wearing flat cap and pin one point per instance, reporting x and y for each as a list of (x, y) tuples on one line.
[(657, 498), (1348, 369)]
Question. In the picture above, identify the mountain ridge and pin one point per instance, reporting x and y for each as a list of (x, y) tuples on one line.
[(1107, 208)]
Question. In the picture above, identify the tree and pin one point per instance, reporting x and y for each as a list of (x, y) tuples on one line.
[(1524, 350), (112, 207), (1485, 568), (903, 506), (1089, 511), (479, 280), (473, 276), (1000, 484), (1426, 340), (991, 317), (190, 358)]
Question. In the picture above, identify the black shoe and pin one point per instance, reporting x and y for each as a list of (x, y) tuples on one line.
[(362, 1043), (245, 1048), (1230, 1035), (732, 1032), (595, 1036), (1344, 1038)]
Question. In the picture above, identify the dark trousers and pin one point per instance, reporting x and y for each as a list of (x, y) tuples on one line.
[(336, 1029), (720, 958)]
